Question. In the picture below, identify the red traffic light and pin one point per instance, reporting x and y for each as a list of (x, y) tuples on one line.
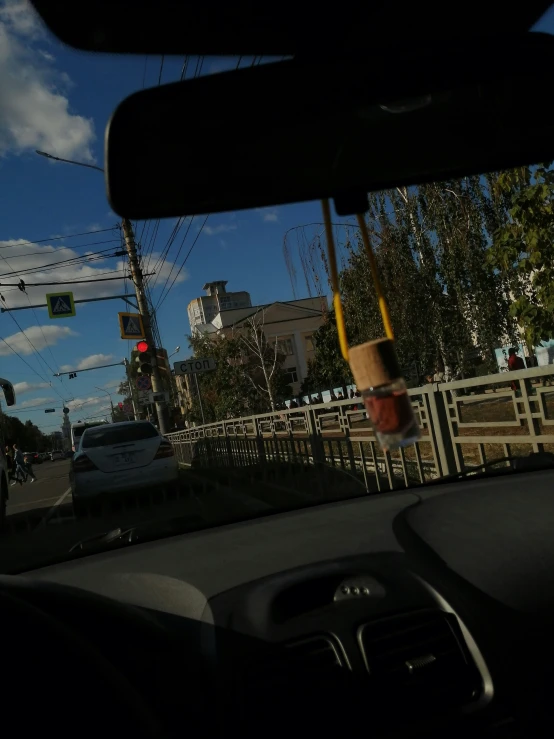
[(142, 346)]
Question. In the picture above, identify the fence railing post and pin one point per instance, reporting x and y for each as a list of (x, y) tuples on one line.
[(228, 446), (439, 429), (316, 440), (259, 441)]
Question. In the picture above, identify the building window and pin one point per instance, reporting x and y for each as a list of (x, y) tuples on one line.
[(290, 375), (310, 346), (285, 346)]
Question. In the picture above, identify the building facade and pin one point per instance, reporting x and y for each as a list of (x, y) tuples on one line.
[(289, 323), (204, 309)]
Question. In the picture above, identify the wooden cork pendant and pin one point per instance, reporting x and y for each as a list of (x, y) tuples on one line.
[(377, 376)]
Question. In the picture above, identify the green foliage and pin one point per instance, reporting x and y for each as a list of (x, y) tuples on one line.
[(28, 437), (328, 369), (523, 248), (462, 264), (237, 386)]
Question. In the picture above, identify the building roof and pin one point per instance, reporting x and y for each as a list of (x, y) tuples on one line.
[(295, 308)]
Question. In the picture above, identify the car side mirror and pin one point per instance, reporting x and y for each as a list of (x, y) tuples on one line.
[(9, 392)]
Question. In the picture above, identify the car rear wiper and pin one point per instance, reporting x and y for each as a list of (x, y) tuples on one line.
[(137, 533), (531, 463)]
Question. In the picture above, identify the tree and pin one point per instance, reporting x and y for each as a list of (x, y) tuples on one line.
[(328, 369), (263, 362), (225, 392), (523, 248), (28, 436), (248, 378), (446, 300)]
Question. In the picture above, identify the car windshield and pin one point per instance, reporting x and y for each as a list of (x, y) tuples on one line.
[(193, 364), (117, 434)]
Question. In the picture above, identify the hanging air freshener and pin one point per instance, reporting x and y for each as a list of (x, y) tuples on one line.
[(388, 405), (374, 364)]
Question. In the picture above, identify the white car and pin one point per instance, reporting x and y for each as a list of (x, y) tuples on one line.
[(121, 458), (56, 454)]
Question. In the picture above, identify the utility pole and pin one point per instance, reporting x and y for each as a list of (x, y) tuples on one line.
[(132, 390), (136, 274)]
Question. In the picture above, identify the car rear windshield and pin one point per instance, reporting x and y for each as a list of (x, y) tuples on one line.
[(106, 436)]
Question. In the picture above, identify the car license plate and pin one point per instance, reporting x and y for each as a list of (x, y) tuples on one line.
[(126, 458)]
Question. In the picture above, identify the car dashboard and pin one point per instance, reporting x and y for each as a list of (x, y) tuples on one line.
[(421, 612)]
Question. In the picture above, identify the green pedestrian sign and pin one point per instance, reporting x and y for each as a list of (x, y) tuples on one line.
[(60, 305)]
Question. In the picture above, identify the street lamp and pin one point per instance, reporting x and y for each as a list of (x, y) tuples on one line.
[(68, 161), (177, 349), (110, 397)]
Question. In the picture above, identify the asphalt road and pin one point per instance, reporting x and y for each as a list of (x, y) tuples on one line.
[(41, 526), (44, 495)]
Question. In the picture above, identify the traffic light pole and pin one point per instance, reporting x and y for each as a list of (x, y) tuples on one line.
[(136, 274)]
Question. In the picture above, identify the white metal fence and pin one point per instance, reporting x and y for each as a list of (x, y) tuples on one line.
[(463, 423)]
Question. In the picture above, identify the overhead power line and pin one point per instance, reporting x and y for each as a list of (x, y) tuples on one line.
[(103, 253), (59, 248), (58, 238), (10, 347), (72, 282), (184, 262)]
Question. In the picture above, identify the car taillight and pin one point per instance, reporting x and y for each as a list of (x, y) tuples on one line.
[(83, 464), (164, 450)]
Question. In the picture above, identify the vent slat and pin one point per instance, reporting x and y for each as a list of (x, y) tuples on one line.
[(421, 656), (314, 656)]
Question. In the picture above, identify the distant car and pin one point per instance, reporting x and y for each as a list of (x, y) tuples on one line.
[(121, 458), (56, 454), (32, 457), (44, 456)]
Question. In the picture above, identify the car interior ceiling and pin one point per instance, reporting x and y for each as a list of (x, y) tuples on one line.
[(428, 611)]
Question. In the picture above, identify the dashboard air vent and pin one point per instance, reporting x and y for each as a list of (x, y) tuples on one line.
[(317, 656), (423, 658), (304, 684)]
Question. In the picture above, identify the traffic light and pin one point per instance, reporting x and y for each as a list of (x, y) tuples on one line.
[(144, 358)]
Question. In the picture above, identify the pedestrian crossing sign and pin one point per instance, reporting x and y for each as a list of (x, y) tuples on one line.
[(60, 305), (131, 326)]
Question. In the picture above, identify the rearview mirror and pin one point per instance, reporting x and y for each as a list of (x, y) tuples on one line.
[(295, 131)]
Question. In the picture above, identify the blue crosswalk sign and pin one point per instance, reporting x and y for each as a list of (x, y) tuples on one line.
[(60, 305), (131, 326)]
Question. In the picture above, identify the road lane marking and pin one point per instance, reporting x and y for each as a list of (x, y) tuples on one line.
[(52, 510)]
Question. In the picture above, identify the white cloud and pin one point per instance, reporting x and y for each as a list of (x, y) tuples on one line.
[(221, 229), (40, 337), (51, 263), (28, 387), (21, 18), (83, 405), (34, 401), (269, 215), (87, 362), (34, 107), (112, 383)]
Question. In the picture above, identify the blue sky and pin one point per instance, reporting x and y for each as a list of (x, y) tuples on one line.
[(59, 100)]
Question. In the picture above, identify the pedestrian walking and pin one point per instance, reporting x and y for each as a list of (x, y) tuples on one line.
[(12, 473), (21, 466), (516, 363)]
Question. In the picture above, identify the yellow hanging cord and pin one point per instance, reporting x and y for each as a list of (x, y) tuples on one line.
[(334, 274), (375, 274)]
